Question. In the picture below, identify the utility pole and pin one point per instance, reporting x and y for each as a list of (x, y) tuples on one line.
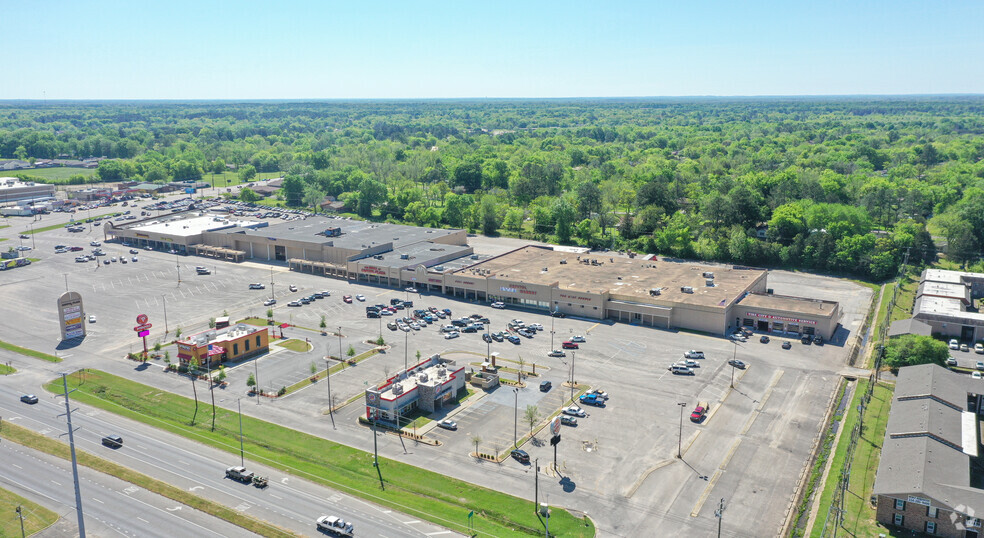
[(680, 439), (328, 380), (271, 283), (719, 513), (536, 485), (20, 516), (75, 464), (242, 453)]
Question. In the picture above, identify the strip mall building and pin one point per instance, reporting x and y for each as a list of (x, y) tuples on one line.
[(646, 291)]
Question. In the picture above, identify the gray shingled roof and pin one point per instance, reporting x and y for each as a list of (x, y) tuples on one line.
[(909, 326)]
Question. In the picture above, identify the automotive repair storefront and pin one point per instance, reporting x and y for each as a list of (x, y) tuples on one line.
[(782, 314)]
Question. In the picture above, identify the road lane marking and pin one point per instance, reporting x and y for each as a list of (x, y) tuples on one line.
[(55, 483), (142, 519), (437, 533), (411, 522), (98, 501)]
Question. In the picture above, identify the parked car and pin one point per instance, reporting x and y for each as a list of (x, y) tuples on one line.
[(520, 455), (513, 338), (498, 304), (497, 336), (578, 338), (545, 386), (764, 339), (979, 365), (693, 354), (347, 298), (681, 369), (557, 353), (112, 441), (448, 424), (558, 314), (591, 399), (699, 412), (979, 348), (738, 337), (92, 318), (950, 361), (599, 393), (737, 363), (29, 399), (391, 325), (487, 337), (787, 345), (449, 336), (292, 288), (269, 302), (360, 297), (690, 363), (95, 244), (411, 289), (954, 344), (569, 345), (574, 411), (568, 421), (976, 375), (964, 348), (257, 286), (806, 339)]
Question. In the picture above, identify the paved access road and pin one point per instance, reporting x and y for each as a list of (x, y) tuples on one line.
[(110, 506), (288, 501)]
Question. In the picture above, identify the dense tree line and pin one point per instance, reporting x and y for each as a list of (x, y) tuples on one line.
[(842, 185)]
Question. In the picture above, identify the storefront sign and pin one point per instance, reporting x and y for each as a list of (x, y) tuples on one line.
[(70, 312), (574, 297), (918, 500), (373, 270), (779, 318), (434, 280)]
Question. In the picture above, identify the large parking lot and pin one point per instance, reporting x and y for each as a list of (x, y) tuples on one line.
[(618, 464)]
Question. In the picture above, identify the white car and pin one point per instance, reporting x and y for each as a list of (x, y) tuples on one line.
[(411, 289), (269, 302), (979, 348), (92, 318), (574, 411), (385, 313), (81, 259), (360, 297), (739, 338), (557, 353), (954, 344), (292, 288), (976, 375), (95, 244), (690, 363), (578, 338), (451, 335), (498, 304), (257, 286), (23, 248)]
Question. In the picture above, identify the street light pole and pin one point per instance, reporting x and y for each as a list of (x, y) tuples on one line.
[(328, 379), (165, 313), (719, 513), (572, 376), (242, 453), (680, 439), (733, 359)]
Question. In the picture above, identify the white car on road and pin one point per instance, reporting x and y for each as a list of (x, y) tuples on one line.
[(451, 335)]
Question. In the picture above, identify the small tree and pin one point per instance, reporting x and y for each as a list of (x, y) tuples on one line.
[(379, 341), (532, 415), (177, 332), (225, 313), (314, 368), (251, 382), (418, 355), (167, 358), (269, 313), (323, 323), (157, 346), (221, 375), (476, 439), (351, 351), (211, 323)]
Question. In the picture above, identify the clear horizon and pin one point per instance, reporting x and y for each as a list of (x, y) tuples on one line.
[(312, 50)]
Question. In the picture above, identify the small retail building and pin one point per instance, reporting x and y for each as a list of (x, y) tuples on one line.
[(930, 474), (427, 386), (12, 189), (949, 301), (231, 344)]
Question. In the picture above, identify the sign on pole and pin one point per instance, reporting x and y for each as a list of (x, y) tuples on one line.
[(555, 426), (70, 313)]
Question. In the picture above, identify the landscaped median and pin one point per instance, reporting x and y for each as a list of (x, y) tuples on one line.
[(36, 441), (417, 492), (36, 517), (59, 226), (334, 369), (29, 352)]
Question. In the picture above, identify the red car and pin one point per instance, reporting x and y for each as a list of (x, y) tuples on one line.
[(76, 249), (569, 345), (347, 298), (699, 412)]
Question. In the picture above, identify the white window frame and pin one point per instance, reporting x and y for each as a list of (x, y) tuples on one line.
[(899, 504), (933, 512), (899, 520), (930, 527)]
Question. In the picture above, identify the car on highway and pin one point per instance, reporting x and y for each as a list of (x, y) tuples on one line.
[(557, 353), (29, 399), (335, 526), (112, 441), (578, 338), (520, 455), (498, 304), (450, 335), (699, 412), (448, 424), (347, 299), (269, 302), (737, 363), (574, 411), (787, 345), (257, 286), (360, 298)]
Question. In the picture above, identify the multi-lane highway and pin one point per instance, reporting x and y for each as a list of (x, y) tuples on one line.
[(111, 506), (289, 501)]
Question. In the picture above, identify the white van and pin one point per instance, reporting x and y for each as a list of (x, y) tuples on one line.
[(681, 369)]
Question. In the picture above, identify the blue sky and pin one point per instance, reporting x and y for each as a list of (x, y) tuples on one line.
[(283, 49)]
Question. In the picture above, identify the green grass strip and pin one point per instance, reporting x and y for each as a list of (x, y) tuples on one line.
[(417, 492), (59, 449), (36, 517), (29, 352), (7, 370), (57, 226)]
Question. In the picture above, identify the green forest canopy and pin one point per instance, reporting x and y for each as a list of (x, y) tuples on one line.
[(691, 178)]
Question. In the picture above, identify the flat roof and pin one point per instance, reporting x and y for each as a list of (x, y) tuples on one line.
[(787, 303), (356, 234), (633, 277), (417, 253), (952, 277), (185, 227), (437, 374), (944, 289)]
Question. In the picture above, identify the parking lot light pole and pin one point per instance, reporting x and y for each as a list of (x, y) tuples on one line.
[(165, 314), (680, 439), (328, 380), (515, 417), (733, 359), (572, 377)]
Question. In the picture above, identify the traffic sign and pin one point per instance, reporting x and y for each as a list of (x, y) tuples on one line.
[(143, 327), (141, 319)]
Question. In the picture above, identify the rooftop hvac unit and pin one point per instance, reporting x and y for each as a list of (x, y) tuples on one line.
[(397, 389), (544, 269), (708, 274), (709, 282), (474, 256), (404, 256), (687, 289), (422, 377), (654, 292), (438, 267)]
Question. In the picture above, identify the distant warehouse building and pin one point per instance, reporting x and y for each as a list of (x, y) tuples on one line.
[(12, 189)]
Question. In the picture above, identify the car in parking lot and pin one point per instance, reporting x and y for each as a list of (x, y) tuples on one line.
[(81, 259), (448, 424), (806, 339), (498, 304), (29, 399), (979, 365), (269, 302), (92, 318), (569, 345), (693, 354), (391, 325), (134, 251), (699, 412), (112, 441), (487, 337), (513, 338), (737, 363), (950, 361), (764, 339), (545, 386), (578, 338), (558, 314), (979, 348), (681, 369), (450, 335), (360, 297), (787, 345), (599, 393), (591, 399), (954, 344), (574, 411), (690, 363), (75, 249), (133, 259), (738, 337), (976, 375), (411, 289), (557, 353), (964, 348), (95, 244), (294, 303), (347, 298), (257, 286), (292, 288), (497, 336), (568, 421)]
